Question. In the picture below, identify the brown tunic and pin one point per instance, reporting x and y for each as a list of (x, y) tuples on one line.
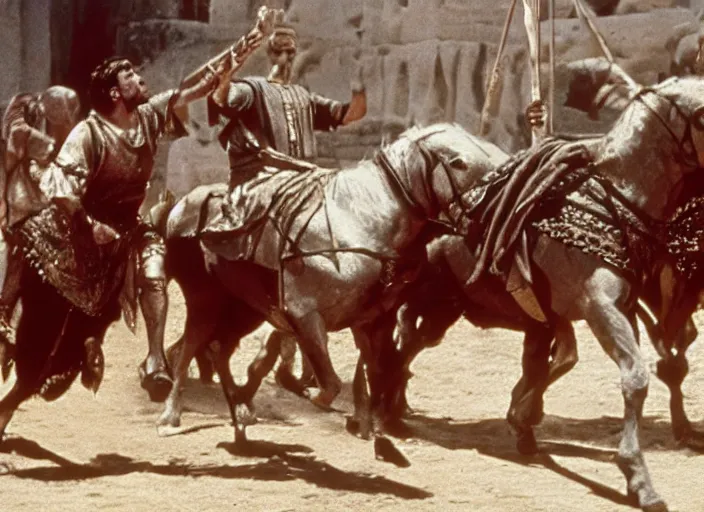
[(107, 170), (262, 114)]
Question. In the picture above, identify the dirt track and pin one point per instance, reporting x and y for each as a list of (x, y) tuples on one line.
[(103, 452)]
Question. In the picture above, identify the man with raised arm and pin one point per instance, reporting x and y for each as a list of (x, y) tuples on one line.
[(272, 112), (91, 244)]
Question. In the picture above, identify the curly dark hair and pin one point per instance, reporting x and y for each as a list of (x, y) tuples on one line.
[(104, 78)]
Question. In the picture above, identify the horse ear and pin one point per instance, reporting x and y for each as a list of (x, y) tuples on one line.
[(596, 83)]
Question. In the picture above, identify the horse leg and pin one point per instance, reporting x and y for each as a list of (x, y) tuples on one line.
[(672, 370), (412, 341), (360, 422), (206, 364), (11, 401), (615, 332), (201, 322), (368, 340), (40, 328), (313, 341), (284, 373), (564, 353), (221, 353), (526, 409), (239, 398)]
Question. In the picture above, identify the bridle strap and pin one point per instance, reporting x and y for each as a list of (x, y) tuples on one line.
[(687, 153)]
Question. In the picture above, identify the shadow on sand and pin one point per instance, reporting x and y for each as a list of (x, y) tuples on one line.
[(284, 464), (557, 436)]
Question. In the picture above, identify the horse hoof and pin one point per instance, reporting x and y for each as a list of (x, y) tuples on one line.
[(655, 507), (398, 428), (158, 385), (168, 430), (526, 444), (352, 425), (244, 415), (318, 398), (385, 450)]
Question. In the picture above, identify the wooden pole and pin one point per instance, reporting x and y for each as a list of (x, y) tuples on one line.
[(491, 100), (531, 19)]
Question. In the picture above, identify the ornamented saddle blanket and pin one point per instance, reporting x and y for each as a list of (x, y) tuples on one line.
[(62, 251), (285, 199)]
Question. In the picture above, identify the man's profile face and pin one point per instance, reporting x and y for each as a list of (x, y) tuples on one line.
[(132, 88)]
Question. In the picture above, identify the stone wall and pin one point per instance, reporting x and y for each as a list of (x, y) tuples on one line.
[(422, 60)]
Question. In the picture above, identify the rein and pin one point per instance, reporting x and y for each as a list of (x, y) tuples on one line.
[(402, 191)]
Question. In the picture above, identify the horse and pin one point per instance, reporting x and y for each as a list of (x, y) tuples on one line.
[(438, 298), (217, 336), (331, 249), (537, 228)]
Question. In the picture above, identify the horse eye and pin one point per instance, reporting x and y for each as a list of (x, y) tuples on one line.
[(459, 164), (698, 118)]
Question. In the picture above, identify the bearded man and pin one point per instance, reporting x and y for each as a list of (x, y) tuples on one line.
[(89, 252)]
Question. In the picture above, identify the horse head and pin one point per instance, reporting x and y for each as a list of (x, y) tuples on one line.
[(435, 165), (686, 119)]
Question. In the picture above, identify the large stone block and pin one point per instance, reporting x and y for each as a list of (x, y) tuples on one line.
[(633, 6), (36, 45), (639, 42)]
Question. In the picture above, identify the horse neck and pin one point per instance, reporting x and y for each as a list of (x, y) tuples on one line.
[(373, 197), (636, 155), (410, 176)]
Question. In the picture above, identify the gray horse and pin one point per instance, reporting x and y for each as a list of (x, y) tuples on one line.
[(642, 165), (341, 257), (439, 297), (644, 168)]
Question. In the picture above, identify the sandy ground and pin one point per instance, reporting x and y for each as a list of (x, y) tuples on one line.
[(102, 452)]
